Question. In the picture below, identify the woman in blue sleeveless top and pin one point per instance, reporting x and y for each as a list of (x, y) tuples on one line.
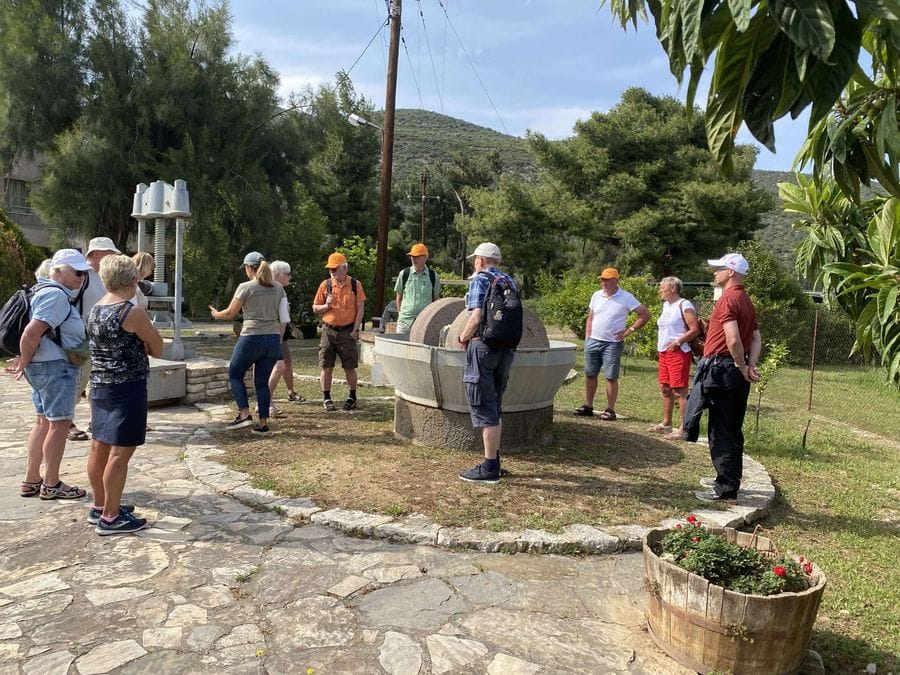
[(121, 336)]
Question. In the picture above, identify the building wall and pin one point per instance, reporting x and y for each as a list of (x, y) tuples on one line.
[(17, 186)]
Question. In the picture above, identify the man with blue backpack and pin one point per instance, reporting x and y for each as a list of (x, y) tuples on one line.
[(490, 336)]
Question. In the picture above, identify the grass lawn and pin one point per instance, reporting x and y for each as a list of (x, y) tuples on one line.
[(838, 500)]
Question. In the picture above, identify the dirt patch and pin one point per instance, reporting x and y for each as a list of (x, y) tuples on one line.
[(598, 473)]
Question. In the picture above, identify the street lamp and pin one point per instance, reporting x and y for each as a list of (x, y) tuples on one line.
[(357, 121)]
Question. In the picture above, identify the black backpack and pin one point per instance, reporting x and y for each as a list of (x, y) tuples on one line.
[(501, 315), (352, 285), (16, 314), (404, 277)]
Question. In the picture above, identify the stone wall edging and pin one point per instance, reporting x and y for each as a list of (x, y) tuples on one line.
[(758, 492)]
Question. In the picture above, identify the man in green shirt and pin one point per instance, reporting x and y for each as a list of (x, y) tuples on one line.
[(416, 287)]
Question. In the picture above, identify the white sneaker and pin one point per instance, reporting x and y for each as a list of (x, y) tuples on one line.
[(275, 412)]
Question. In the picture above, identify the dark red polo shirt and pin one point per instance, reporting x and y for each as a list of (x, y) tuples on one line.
[(734, 305)]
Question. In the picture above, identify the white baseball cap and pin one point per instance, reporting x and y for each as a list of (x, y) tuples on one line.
[(101, 244), (486, 250), (733, 261), (70, 258)]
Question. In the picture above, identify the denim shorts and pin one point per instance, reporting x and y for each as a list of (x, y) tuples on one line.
[(606, 356), (53, 388), (485, 376)]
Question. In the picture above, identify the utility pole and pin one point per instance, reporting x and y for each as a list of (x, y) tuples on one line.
[(424, 197), (387, 159)]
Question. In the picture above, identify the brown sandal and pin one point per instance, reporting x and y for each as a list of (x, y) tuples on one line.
[(30, 489)]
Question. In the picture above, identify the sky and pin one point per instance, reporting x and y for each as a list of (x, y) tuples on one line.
[(511, 65)]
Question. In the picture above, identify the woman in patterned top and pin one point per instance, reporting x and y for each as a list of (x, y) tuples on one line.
[(121, 337)]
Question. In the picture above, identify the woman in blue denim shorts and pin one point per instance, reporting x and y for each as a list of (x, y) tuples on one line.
[(54, 326)]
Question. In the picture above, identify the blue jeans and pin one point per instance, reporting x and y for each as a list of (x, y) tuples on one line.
[(261, 352), (53, 388)]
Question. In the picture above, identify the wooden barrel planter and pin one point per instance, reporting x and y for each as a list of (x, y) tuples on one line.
[(707, 628)]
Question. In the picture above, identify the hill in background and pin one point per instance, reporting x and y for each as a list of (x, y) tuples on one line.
[(423, 137)]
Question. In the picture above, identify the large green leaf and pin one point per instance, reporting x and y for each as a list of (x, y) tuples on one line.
[(883, 9), (887, 303), (735, 59), (808, 23), (691, 19), (888, 223), (826, 80), (740, 12), (765, 91)]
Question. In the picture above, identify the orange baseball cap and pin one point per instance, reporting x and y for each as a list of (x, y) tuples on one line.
[(418, 249), (335, 260), (609, 273)]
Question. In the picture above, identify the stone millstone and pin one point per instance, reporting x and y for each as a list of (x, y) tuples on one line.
[(426, 329), (534, 335)]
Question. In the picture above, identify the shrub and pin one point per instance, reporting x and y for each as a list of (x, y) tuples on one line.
[(735, 568), (20, 258), (447, 291)]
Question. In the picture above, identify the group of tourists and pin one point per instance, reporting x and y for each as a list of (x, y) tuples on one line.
[(723, 375), (87, 323)]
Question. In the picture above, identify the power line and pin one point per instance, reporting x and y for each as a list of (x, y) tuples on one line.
[(431, 56), (444, 58), (472, 65), (383, 41), (366, 48), (412, 71)]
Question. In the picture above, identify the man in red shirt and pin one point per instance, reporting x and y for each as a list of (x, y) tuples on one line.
[(724, 375)]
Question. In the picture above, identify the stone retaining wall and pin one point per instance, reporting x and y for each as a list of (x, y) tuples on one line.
[(206, 379)]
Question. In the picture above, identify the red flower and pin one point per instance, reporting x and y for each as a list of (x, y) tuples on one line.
[(678, 526), (807, 567), (695, 539), (801, 558), (779, 571), (692, 519)]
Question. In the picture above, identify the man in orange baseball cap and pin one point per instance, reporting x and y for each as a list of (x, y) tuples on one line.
[(604, 339), (417, 286), (340, 300)]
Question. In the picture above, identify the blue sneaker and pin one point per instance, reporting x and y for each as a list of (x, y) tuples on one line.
[(478, 474), (125, 523), (93, 516)]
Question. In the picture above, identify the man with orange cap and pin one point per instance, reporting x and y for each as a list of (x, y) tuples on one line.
[(604, 339), (417, 286), (340, 300)]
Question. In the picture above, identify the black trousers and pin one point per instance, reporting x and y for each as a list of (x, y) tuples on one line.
[(726, 392)]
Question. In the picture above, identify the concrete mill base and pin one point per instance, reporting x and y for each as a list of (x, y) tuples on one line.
[(439, 428)]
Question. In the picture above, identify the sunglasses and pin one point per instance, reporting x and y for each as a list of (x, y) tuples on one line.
[(79, 273)]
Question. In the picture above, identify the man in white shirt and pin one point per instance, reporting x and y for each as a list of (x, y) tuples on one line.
[(604, 339)]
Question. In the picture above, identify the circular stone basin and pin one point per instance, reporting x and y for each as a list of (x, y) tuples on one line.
[(430, 403)]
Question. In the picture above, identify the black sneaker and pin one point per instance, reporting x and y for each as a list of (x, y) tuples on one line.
[(328, 404), (240, 422), (93, 516), (478, 474), (584, 411), (711, 496), (350, 404), (261, 430), (125, 523)]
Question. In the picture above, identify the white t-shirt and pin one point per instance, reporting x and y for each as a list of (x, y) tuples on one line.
[(671, 324), (92, 294), (610, 313)]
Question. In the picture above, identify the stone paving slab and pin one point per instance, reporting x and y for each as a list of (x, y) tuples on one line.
[(219, 584)]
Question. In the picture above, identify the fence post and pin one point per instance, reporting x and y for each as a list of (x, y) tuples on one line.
[(812, 372)]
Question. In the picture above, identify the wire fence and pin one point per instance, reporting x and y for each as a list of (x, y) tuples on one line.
[(822, 379), (820, 383)]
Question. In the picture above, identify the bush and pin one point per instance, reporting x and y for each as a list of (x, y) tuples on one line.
[(454, 291), (20, 258), (733, 567)]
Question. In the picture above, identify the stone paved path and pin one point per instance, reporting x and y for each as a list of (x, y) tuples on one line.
[(219, 587)]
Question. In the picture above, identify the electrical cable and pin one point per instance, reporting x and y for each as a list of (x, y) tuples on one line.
[(431, 56), (472, 65), (377, 33), (411, 70), (384, 46)]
